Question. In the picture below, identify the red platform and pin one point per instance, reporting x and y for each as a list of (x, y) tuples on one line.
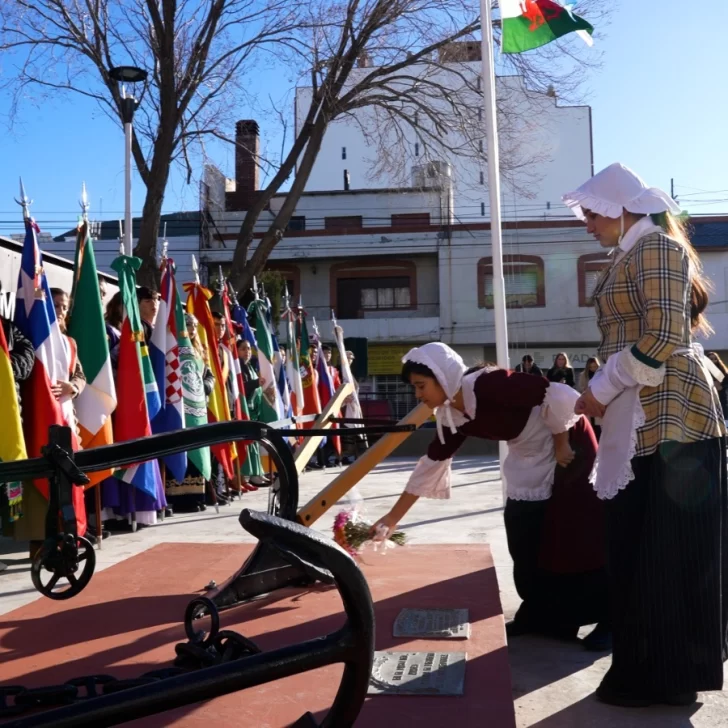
[(129, 618)]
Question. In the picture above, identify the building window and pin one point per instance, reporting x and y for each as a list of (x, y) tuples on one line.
[(482, 209), (589, 271), (361, 288), (478, 82), (482, 178), (343, 152), (480, 146), (406, 219), (417, 149), (343, 223), (291, 276), (480, 114), (297, 223), (524, 279)]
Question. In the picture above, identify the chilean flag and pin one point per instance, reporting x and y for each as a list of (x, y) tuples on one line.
[(164, 353), (35, 316)]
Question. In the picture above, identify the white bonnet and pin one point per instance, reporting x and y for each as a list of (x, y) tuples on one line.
[(447, 365), (618, 188)]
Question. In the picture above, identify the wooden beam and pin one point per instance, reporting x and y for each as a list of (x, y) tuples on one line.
[(310, 444), (343, 483)]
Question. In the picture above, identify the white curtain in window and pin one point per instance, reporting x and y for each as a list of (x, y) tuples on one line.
[(401, 297), (385, 297), (521, 287), (368, 297)]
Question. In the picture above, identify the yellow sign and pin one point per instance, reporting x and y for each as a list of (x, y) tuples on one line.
[(386, 359)]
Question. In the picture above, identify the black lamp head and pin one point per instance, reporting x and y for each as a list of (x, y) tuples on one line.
[(128, 74)]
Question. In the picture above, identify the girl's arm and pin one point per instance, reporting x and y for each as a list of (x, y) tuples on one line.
[(398, 512), (562, 450)]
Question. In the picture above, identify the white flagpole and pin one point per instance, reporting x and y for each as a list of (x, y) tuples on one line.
[(496, 240)]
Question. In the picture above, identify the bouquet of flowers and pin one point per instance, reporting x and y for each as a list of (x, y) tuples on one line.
[(352, 532)]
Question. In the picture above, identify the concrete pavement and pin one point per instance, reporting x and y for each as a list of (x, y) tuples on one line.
[(553, 683)]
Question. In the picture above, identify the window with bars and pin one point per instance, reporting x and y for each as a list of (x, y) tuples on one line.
[(356, 296), (524, 282), (589, 270), (401, 396)]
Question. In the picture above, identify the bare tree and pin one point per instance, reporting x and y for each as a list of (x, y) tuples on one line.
[(393, 66), (197, 52)]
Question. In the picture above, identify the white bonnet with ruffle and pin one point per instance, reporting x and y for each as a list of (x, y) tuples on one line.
[(617, 188), (449, 369)]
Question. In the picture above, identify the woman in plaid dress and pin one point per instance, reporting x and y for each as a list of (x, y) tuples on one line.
[(661, 467)]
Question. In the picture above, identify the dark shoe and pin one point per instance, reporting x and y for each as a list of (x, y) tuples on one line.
[(518, 627), (599, 639), (169, 511), (623, 699), (680, 700)]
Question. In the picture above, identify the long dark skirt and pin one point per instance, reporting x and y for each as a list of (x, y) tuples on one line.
[(557, 547), (668, 569), (189, 495)]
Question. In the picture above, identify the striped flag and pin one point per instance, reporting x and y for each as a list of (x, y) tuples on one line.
[(164, 355), (131, 419), (293, 367), (218, 409), (35, 316), (97, 401), (311, 400), (271, 402)]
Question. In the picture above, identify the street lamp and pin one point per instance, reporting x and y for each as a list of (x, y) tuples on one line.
[(124, 75)]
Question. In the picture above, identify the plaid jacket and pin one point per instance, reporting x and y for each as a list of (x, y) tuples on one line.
[(643, 301)]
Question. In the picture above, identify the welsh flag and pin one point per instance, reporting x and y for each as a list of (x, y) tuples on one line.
[(98, 399), (529, 24), (271, 403), (218, 409), (164, 353), (134, 382)]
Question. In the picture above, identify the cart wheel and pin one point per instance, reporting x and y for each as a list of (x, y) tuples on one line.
[(60, 563)]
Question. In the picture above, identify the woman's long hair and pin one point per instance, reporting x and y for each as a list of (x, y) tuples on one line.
[(584, 376), (676, 230), (566, 359)]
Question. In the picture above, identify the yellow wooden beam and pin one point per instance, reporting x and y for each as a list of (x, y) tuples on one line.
[(302, 457), (343, 483)]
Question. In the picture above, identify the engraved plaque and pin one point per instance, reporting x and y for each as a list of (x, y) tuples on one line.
[(418, 673), (433, 623)]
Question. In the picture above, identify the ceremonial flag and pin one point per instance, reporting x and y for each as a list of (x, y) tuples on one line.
[(131, 418), (352, 408), (12, 444), (271, 403), (293, 367), (164, 354), (279, 369), (35, 316), (97, 400), (529, 24), (311, 401), (218, 409), (325, 385)]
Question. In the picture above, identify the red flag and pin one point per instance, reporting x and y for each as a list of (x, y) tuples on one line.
[(218, 409)]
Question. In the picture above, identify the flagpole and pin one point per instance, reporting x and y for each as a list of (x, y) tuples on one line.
[(496, 240)]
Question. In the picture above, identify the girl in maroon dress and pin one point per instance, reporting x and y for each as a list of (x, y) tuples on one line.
[(553, 518)]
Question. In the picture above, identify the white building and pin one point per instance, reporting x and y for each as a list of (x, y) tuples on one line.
[(546, 148)]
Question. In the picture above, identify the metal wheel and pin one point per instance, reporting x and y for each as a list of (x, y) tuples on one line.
[(197, 610), (64, 569)]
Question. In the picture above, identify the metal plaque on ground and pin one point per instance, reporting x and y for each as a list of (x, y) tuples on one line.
[(433, 623), (418, 673)]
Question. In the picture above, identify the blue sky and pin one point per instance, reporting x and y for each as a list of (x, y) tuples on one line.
[(659, 106)]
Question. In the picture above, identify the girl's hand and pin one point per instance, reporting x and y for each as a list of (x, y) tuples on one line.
[(589, 405), (564, 454), (389, 522), (60, 389)]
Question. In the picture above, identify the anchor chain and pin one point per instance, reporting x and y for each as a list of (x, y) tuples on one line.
[(225, 646)]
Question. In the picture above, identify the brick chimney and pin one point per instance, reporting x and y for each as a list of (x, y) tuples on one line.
[(247, 178)]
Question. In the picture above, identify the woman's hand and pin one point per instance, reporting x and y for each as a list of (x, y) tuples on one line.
[(389, 522), (61, 389), (589, 405)]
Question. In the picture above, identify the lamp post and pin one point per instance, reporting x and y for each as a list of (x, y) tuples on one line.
[(124, 75)]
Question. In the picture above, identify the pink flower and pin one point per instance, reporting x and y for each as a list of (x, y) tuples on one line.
[(342, 518)]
